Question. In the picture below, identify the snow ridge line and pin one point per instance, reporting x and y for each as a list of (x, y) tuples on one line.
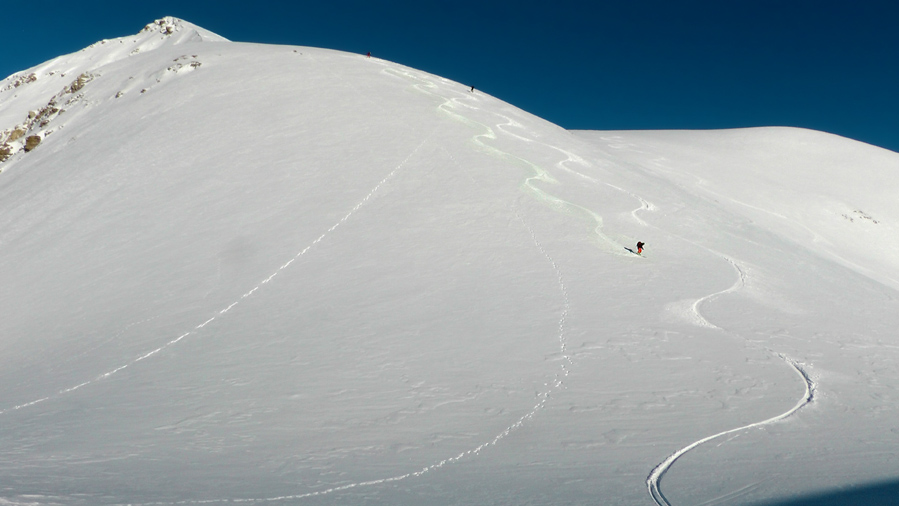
[(653, 481), (233, 304)]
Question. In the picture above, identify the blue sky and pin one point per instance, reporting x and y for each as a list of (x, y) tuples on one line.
[(830, 65)]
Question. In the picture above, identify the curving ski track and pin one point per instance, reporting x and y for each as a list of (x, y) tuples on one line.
[(541, 175), (653, 481), (738, 284)]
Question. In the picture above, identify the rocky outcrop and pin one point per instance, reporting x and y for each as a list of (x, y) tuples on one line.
[(16, 134), (21, 81), (31, 142), (78, 83), (24, 133), (166, 26)]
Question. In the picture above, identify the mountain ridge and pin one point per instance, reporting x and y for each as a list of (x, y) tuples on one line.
[(302, 276)]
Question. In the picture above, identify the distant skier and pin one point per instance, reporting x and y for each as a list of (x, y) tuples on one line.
[(368, 55), (472, 89), (639, 248)]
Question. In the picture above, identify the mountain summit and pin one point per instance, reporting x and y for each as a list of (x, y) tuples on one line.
[(34, 98), (248, 273)]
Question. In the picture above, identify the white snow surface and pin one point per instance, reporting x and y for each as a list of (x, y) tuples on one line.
[(240, 273)]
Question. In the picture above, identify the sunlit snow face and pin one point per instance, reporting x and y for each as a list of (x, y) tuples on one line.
[(352, 279)]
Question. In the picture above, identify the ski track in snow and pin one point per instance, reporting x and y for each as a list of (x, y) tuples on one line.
[(449, 105), (232, 305), (739, 283), (564, 165), (653, 481)]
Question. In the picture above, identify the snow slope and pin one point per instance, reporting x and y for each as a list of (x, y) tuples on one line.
[(246, 273)]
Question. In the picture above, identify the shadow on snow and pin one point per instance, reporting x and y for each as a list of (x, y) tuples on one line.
[(875, 494)]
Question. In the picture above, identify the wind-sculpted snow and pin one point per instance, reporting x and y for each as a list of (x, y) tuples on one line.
[(237, 273)]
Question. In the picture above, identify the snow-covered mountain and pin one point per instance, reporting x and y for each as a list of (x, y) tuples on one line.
[(240, 273)]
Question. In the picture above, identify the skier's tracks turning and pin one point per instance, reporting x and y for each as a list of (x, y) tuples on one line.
[(654, 478), (653, 481), (531, 183)]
